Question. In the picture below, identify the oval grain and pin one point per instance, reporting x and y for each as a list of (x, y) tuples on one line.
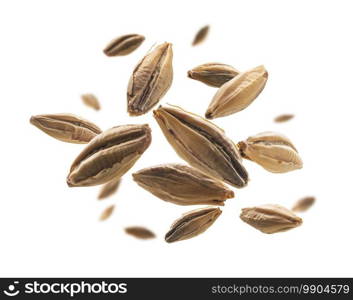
[(273, 151), (192, 224), (213, 74), (270, 218), (109, 155)]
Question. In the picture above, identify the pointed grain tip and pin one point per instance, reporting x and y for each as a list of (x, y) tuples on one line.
[(33, 120), (241, 146), (156, 112), (208, 115), (245, 183), (229, 194), (69, 183), (169, 239), (300, 221), (134, 176), (146, 128)]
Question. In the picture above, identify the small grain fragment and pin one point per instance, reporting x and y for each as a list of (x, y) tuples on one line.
[(140, 232), (107, 213), (201, 35), (303, 204), (283, 118), (91, 101), (109, 189)]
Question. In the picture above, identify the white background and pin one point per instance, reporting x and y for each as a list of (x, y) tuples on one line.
[(51, 52)]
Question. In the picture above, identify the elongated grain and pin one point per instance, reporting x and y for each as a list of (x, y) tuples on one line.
[(66, 127), (202, 144), (150, 80), (182, 185), (124, 45), (238, 93)]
